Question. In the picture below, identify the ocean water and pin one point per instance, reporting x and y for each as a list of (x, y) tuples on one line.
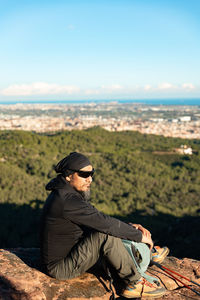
[(195, 101), (188, 101)]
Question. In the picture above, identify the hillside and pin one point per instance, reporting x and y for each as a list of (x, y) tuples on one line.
[(138, 178)]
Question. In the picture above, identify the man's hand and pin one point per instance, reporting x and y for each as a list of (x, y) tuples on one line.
[(147, 240), (141, 228), (146, 235)]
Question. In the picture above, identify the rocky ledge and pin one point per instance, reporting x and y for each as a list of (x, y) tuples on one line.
[(22, 279)]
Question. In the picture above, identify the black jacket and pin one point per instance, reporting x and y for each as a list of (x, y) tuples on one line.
[(67, 217)]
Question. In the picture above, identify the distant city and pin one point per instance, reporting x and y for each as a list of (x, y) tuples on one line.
[(167, 120)]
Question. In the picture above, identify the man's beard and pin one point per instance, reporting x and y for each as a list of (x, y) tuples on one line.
[(85, 195)]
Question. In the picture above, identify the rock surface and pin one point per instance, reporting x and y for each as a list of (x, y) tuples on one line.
[(21, 279)]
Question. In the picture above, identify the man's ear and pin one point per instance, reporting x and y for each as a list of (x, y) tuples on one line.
[(68, 178)]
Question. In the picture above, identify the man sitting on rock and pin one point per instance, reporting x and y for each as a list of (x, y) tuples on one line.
[(74, 234)]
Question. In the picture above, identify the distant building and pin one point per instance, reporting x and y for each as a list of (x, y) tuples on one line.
[(174, 120), (185, 119), (184, 149), (157, 119)]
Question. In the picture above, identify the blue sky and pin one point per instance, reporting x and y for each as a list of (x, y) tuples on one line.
[(68, 50)]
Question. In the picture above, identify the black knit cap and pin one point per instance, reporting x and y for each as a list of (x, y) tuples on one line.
[(74, 161)]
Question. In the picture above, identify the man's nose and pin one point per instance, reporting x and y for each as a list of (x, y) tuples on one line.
[(89, 179)]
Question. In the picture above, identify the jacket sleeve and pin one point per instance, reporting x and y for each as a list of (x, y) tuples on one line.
[(77, 210)]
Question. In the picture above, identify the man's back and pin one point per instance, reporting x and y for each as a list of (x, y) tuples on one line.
[(58, 233)]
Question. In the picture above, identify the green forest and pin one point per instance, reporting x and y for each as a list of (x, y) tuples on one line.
[(138, 178)]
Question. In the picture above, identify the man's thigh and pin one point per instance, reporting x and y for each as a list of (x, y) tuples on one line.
[(81, 258), (87, 252)]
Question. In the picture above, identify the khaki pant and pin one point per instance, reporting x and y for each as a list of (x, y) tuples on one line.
[(88, 251)]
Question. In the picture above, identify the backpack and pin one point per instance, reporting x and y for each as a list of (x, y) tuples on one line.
[(145, 258)]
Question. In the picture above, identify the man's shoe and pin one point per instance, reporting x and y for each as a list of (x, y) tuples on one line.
[(143, 288), (158, 254)]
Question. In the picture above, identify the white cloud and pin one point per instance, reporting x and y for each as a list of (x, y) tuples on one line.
[(188, 86), (92, 92), (178, 88), (115, 90), (38, 88), (112, 87), (165, 86), (147, 87)]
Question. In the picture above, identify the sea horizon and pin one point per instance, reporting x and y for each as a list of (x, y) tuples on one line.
[(170, 101)]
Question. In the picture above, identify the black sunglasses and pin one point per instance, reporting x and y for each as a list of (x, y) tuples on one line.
[(84, 174)]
